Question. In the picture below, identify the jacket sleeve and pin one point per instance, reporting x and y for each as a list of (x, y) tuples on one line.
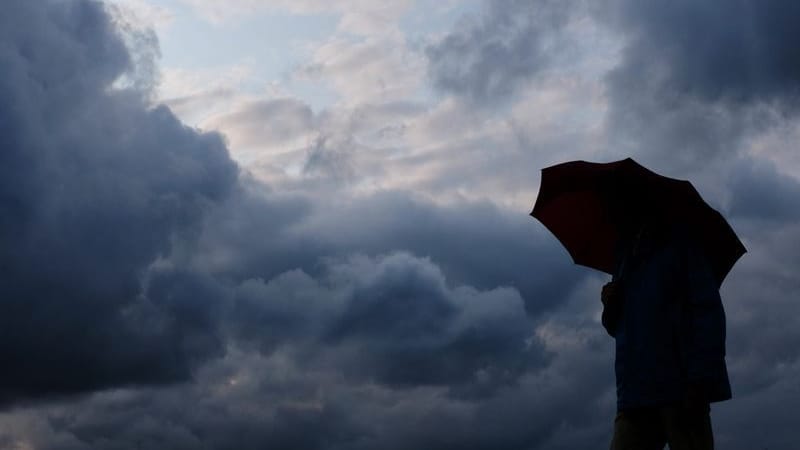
[(611, 317), (703, 328)]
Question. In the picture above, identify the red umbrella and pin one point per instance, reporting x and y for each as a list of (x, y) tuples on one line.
[(586, 204)]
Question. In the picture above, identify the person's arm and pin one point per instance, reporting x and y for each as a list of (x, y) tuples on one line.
[(704, 330), (612, 307)]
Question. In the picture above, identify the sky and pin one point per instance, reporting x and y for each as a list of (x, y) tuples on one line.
[(303, 224)]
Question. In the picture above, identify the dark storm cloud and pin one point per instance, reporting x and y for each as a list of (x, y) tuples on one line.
[(475, 243), (697, 77), (694, 78), (400, 324), (488, 58), (461, 239), (390, 319), (759, 191), (239, 401), (94, 187), (763, 337), (739, 52), (373, 353), (135, 255)]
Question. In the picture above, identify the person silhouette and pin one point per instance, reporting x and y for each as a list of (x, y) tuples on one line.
[(665, 313)]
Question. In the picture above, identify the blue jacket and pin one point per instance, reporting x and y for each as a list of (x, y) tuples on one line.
[(670, 330)]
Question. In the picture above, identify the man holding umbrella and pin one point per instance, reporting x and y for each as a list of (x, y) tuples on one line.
[(667, 252)]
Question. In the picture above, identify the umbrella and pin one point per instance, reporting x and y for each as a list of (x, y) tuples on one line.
[(585, 205)]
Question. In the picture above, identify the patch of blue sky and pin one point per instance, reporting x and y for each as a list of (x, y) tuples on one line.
[(271, 44), (317, 94), (434, 17)]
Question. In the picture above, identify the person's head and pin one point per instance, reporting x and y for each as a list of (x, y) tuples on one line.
[(636, 210)]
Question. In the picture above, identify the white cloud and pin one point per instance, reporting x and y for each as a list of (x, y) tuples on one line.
[(216, 12), (371, 70), (200, 96), (145, 13), (266, 128)]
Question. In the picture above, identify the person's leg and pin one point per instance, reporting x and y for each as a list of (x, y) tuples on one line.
[(688, 427), (638, 429)]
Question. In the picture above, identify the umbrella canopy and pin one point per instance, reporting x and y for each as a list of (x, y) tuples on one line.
[(587, 206)]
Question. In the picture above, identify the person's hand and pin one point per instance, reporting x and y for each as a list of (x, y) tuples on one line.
[(610, 294)]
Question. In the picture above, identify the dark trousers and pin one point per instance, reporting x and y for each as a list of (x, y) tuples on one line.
[(682, 427)]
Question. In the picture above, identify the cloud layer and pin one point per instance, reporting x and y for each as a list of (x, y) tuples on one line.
[(96, 187), (379, 292), (490, 57)]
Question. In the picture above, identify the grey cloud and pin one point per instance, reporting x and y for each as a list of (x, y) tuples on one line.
[(397, 323), (331, 160), (96, 186), (762, 337), (739, 52), (676, 133), (280, 232), (697, 77), (405, 326), (131, 257), (248, 401), (280, 240), (365, 118), (333, 147), (461, 239), (253, 234), (336, 379), (760, 191), (488, 58), (134, 254), (393, 320), (275, 121), (694, 77)]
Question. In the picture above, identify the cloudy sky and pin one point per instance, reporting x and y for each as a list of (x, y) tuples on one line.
[(303, 224)]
